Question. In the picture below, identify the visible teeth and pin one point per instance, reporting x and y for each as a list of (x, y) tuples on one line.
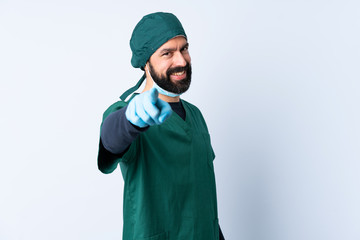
[(179, 73)]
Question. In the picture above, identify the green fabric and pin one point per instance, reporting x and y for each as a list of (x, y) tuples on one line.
[(134, 88), (150, 33), (169, 181)]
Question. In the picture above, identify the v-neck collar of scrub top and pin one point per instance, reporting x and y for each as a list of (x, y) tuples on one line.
[(175, 118)]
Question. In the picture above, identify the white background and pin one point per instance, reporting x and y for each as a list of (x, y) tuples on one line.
[(277, 81)]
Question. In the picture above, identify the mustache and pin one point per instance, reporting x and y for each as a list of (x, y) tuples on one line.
[(177, 69)]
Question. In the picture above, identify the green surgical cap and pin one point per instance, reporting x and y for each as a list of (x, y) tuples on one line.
[(150, 33)]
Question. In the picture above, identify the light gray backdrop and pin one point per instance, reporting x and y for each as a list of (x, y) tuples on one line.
[(277, 81)]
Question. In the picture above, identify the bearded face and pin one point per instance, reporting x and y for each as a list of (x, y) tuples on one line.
[(165, 81)]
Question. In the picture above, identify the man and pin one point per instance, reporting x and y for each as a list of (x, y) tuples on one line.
[(161, 142)]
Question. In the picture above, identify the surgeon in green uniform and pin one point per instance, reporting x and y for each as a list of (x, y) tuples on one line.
[(161, 142)]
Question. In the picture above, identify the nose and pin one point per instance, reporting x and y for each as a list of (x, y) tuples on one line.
[(179, 60)]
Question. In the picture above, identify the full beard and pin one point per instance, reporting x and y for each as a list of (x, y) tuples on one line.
[(165, 82)]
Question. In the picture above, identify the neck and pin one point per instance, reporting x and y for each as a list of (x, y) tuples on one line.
[(169, 99)]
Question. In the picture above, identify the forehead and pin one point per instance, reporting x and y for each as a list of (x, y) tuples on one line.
[(176, 42)]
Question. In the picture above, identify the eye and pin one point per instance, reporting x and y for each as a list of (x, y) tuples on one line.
[(166, 54), (185, 49)]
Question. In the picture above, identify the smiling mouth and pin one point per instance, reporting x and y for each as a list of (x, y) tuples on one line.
[(178, 76), (178, 73)]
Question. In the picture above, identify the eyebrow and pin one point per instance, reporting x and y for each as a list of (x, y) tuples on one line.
[(173, 49)]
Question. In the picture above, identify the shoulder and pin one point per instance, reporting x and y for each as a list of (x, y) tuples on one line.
[(195, 112), (190, 106)]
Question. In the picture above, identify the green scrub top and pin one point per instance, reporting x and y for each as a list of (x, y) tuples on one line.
[(169, 180)]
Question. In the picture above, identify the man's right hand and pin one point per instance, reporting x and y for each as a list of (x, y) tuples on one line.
[(146, 109)]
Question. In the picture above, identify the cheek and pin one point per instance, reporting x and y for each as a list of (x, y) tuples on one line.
[(160, 68), (188, 58), (163, 68)]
